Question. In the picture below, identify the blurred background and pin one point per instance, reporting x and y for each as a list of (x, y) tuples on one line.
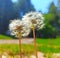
[(15, 9)]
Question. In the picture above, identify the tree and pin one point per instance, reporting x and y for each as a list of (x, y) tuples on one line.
[(53, 17), (50, 22), (6, 13), (24, 6), (49, 30), (58, 9)]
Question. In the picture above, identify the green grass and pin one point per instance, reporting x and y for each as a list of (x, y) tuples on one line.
[(43, 45), (49, 41), (46, 49), (9, 48), (14, 48), (5, 37), (48, 45)]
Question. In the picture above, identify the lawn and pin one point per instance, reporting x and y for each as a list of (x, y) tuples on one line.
[(43, 45), (14, 49), (53, 41), (5, 37), (48, 45)]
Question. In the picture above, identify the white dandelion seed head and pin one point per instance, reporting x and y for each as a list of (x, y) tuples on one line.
[(14, 23), (36, 17), (17, 23)]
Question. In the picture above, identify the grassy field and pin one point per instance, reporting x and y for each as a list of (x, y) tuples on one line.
[(43, 45), (5, 37), (49, 46), (50, 41), (14, 49)]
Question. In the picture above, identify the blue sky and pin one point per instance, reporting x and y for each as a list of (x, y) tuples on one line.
[(41, 4)]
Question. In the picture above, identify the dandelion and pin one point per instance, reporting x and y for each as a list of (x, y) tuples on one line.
[(18, 29), (34, 20), (17, 26)]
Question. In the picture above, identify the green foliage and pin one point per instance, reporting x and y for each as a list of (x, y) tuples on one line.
[(52, 25), (49, 17), (51, 22), (52, 8)]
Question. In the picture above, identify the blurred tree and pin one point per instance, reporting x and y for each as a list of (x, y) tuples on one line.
[(54, 12), (58, 8), (25, 6), (6, 13), (52, 8), (52, 21), (49, 31), (10, 10), (16, 10)]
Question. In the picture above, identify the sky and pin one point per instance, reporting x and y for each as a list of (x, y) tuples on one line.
[(41, 4)]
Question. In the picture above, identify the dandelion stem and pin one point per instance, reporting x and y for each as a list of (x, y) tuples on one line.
[(20, 37), (35, 47), (20, 48)]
